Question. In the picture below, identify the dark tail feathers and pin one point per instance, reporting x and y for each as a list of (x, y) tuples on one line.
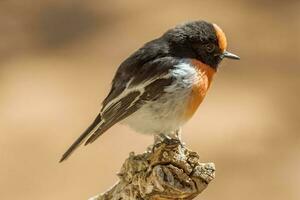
[(81, 139)]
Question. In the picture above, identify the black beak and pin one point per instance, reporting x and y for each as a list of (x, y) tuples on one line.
[(229, 55)]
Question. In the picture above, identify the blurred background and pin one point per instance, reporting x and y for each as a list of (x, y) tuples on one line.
[(57, 59)]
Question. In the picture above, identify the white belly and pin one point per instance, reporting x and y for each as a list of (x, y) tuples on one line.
[(162, 116), (166, 114)]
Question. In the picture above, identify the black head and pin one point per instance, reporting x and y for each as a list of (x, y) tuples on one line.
[(200, 40)]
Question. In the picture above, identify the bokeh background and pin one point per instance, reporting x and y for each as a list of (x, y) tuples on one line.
[(57, 59)]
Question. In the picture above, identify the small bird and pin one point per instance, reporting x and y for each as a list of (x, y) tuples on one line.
[(160, 86)]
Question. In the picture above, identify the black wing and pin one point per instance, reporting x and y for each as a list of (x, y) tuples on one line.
[(147, 66), (154, 78)]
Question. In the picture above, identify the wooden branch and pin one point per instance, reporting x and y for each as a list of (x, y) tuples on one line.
[(167, 170)]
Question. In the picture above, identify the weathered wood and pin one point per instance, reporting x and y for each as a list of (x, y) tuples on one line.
[(168, 170)]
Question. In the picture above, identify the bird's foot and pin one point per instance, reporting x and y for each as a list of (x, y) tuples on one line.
[(169, 139)]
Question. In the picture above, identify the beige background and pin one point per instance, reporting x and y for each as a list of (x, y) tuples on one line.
[(57, 59)]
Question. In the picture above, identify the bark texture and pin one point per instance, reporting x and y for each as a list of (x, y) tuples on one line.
[(167, 170)]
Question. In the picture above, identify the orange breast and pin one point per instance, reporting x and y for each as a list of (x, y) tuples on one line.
[(205, 74)]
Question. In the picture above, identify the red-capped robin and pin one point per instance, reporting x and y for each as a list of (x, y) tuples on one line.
[(160, 86)]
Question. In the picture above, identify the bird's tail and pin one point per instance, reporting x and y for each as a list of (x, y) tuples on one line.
[(90, 130)]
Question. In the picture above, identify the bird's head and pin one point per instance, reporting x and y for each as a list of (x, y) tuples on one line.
[(199, 40)]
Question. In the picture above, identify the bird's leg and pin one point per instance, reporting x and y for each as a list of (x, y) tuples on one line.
[(173, 137), (178, 134), (161, 137)]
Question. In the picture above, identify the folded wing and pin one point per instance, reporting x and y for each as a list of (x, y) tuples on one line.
[(125, 98)]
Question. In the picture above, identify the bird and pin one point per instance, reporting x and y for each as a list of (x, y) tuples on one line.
[(159, 87)]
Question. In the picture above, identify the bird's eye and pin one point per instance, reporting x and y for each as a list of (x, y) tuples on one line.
[(210, 47)]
